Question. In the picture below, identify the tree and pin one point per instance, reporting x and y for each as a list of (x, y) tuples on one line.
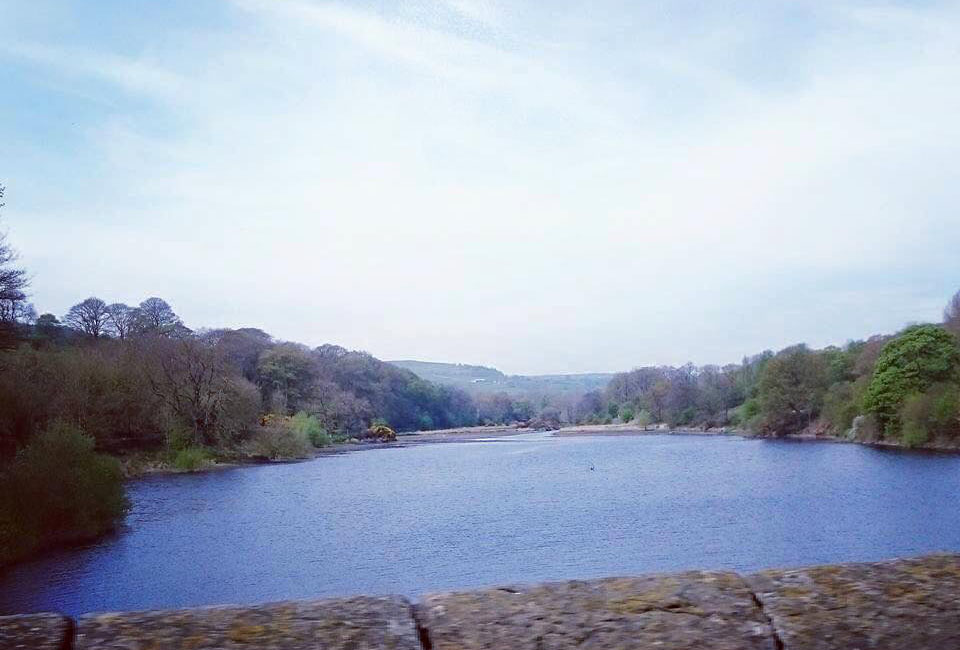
[(658, 397), (951, 315), (90, 317), (13, 287), (644, 419), (243, 348), (921, 356), (155, 316), (48, 327), (681, 397), (338, 410), (287, 374), (121, 320), (193, 382), (590, 405), (791, 390)]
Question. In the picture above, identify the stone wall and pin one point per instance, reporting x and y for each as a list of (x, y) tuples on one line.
[(900, 604)]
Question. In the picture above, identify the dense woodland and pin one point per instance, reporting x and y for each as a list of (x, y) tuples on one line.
[(135, 378)]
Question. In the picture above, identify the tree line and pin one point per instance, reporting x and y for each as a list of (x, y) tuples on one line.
[(901, 388), (135, 377), (107, 380)]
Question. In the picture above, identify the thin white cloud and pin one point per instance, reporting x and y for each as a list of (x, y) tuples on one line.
[(341, 174), (133, 75)]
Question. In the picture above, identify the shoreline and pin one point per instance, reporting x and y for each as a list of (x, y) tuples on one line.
[(152, 467), (631, 430), (491, 433)]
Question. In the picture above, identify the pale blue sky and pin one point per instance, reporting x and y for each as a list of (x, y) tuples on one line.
[(543, 187)]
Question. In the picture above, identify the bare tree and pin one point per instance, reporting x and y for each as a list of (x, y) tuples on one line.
[(951, 315), (13, 281), (90, 317), (190, 378), (121, 319), (155, 316), (13, 289)]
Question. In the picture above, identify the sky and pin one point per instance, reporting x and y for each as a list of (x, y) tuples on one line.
[(544, 187)]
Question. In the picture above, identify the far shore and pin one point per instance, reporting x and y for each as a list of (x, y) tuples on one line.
[(460, 434), (149, 466), (636, 430), (490, 433)]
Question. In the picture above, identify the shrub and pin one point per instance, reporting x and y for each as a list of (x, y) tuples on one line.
[(914, 434), (933, 412), (382, 433), (56, 491), (321, 438), (756, 425), (547, 420), (191, 459), (945, 415), (627, 414), (277, 442), (749, 409), (309, 426)]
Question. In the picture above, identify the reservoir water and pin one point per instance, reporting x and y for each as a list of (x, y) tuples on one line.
[(528, 508)]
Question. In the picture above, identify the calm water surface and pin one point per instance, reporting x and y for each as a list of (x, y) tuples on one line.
[(529, 508)]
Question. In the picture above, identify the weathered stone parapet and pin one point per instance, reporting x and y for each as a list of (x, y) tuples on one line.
[(35, 632), (347, 624), (702, 610), (909, 604), (912, 604)]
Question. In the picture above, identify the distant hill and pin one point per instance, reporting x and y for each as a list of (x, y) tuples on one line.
[(450, 373), (482, 379)]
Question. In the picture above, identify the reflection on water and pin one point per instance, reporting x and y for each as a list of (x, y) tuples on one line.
[(435, 517)]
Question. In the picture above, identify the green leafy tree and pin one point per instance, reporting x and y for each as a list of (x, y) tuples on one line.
[(909, 364), (791, 390)]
